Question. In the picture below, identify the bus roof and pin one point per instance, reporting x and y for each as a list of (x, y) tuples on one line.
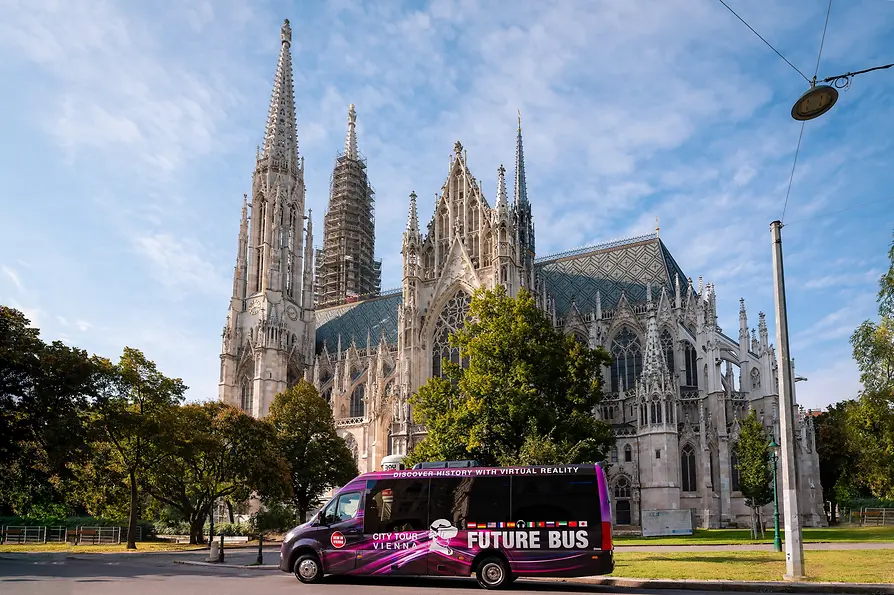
[(578, 469)]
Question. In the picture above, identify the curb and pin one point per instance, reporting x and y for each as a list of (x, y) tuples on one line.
[(720, 585), (218, 565)]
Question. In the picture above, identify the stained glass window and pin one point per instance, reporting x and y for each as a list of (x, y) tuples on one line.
[(450, 320), (357, 407), (667, 346), (627, 363), (687, 468)]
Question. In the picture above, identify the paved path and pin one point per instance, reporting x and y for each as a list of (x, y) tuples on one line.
[(756, 547), (152, 574)]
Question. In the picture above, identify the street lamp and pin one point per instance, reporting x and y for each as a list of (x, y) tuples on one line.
[(777, 543), (820, 98), (794, 547), (815, 102)]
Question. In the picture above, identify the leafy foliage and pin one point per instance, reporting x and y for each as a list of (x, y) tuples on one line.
[(133, 408), (211, 451), (319, 459), (44, 393), (755, 474), (527, 394), (870, 420)]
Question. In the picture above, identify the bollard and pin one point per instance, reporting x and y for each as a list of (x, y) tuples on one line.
[(260, 559), (221, 553), (213, 554)]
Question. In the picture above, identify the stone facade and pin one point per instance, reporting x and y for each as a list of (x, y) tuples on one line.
[(269, 334), (676, 390)]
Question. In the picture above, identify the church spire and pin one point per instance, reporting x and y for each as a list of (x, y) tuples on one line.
[(413, 219), (351, 137), (521, 188), (502, 201), (281, 137)]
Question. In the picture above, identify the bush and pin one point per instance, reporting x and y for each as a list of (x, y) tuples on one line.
[(276, 517), (231, 529)]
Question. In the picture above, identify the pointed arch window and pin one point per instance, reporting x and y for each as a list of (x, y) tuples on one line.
[(246, 396), (622, 488), (627, 360), (735, 476), (655, 412), (628, 454), (357, 405), (449, 321), (687, 468), (667, 347), (614, 454), (690, 358)]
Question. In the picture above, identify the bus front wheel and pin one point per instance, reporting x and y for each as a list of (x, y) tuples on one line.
[(308, 569), (493, 573)]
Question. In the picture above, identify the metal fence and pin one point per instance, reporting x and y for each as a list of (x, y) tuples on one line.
[(22, 534), (97, 535), (876, 517)]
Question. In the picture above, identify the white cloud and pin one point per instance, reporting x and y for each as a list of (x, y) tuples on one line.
[(13, 276), (180, 265)]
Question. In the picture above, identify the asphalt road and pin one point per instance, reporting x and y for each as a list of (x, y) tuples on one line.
[(158, 574)]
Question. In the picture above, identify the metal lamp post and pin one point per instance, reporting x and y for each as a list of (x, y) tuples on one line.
[(777, 542)]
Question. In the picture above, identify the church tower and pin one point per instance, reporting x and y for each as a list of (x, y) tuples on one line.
[(346, 267), (269, 333)]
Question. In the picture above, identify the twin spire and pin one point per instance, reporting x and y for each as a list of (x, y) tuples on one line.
[(281, 136), (520, 197), (351, 137)]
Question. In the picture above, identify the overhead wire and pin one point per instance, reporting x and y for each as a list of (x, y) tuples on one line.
[(803, 123), (853, 207), (778, 53)]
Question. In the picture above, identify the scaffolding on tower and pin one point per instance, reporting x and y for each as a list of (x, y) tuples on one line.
[(346, 267)]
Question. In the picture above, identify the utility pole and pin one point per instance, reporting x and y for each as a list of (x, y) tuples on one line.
[(794, 546)]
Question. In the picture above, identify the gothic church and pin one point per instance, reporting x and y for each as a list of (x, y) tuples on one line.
[(677, 388)]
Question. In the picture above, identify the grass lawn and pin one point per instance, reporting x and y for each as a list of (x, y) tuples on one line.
[(743, 536), (148, 546), (851, 566)]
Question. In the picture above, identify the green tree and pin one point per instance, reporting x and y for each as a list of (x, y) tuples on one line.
[(318, 458), (871, 419), (133, 405), (836, 457), (755, 474), (526, 396), (44, 395), (212, 451)]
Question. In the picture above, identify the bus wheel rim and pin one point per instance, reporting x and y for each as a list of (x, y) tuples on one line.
[(493, 574), (307, 569)]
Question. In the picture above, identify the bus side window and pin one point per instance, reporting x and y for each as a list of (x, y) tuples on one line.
[(394, 505), (562, 498), (469, 499)]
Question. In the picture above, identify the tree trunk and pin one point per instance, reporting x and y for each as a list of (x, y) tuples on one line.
[(753, 524), (132, 522), (230, 511), (196, 528)]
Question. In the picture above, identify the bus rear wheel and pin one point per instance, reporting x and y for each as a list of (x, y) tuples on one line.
[(493, 573), (308, 569)]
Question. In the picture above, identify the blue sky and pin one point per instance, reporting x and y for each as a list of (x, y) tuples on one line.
[(129, 134)]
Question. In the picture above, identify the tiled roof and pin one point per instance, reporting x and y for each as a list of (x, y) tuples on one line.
[(626, 265), (575, 275), (353, 321)]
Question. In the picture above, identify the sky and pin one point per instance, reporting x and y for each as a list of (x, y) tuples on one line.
[(129, 136)]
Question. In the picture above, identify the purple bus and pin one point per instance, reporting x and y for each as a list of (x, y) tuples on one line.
[(498, 523)]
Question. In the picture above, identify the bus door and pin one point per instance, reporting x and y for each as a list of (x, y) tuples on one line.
[(341, 527), (395, 532)]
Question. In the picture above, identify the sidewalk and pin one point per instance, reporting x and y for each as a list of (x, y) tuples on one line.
[(747, 586), (756, 547), (685, 585)]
